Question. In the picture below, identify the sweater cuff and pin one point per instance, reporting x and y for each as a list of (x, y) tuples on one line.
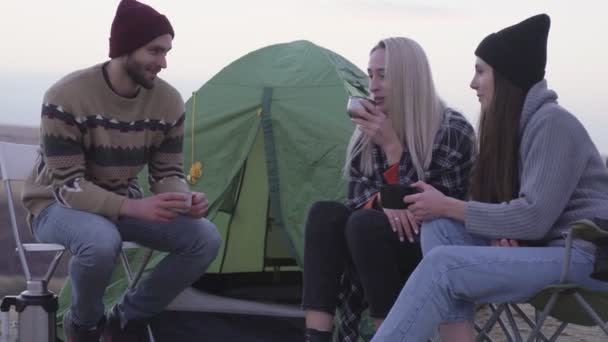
[(112, 206), (473, 219)]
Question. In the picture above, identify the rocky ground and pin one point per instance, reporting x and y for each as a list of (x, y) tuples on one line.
[(572, 333)]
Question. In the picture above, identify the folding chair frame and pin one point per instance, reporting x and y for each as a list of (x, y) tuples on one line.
[(560, 289), (18, 171)]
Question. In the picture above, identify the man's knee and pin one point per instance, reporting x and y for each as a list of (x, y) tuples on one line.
[(212, 238), (203, 238), (100, 250)]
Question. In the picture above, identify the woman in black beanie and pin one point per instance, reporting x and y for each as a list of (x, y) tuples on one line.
[(537, 172)]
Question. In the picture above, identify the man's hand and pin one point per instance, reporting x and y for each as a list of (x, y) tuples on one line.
[(200, 205), (158, 208)]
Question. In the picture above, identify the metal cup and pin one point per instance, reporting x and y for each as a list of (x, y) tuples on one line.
[(355, 106)]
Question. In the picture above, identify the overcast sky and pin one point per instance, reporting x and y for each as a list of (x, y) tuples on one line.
[(43, 40)]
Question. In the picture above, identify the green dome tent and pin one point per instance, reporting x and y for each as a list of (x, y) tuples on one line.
[(270, 131), (265, 138)]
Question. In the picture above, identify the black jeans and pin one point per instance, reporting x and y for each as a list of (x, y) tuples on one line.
[(334, 234)]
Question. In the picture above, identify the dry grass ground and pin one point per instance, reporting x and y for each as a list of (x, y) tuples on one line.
[(572, 333)]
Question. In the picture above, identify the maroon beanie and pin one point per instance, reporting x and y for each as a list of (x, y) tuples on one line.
[(134, 26)]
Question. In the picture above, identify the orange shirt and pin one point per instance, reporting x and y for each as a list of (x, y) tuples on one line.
[(391, 176)]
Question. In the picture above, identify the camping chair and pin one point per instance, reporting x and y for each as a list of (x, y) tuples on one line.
[(16, 162), (566, 302)]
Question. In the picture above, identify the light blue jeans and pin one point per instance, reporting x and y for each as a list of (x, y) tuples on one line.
[(459, 270), (95, 243)]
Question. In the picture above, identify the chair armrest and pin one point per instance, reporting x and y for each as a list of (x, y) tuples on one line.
[(582, 229), (587, 230), (42, 247), (130, 245)]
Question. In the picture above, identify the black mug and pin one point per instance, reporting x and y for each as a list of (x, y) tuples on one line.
[(392, 195)]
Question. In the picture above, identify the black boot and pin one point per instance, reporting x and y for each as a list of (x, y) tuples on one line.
[(133, 331), (314, 335), (74, 333)]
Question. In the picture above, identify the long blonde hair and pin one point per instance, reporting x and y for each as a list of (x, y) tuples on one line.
[(414, 109)]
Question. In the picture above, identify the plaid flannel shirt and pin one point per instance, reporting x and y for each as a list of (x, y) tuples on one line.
[(454, 151)]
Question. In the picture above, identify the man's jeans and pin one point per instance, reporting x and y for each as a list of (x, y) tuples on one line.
[(459, 270), (95, 242)]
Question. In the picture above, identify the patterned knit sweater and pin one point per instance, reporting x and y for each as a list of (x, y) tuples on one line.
[(94, 143)]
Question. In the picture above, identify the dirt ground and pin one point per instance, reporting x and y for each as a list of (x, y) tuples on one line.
[(573, 333)]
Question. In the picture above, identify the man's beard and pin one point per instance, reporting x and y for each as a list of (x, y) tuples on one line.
[(137, 72)]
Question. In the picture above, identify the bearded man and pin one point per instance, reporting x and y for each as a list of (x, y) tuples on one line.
[(100, 127)]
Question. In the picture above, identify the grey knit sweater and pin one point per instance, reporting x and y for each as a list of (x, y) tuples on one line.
[(562, 176)]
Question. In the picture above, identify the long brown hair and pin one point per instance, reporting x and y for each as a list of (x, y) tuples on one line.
[(495, 176)]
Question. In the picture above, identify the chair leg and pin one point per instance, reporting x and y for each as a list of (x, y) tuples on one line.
[(483, 332), (513, 324), (126, 265), (142, 267), (536, 333), (502, 324), (558, 332), (150, 335), (53, 266), (527, 320), (594, 316), (482, 336), (524, 317)]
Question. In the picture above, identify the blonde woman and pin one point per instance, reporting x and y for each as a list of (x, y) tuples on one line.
[(361, 253)]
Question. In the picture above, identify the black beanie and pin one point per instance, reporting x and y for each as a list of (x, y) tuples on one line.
[(518, 52)]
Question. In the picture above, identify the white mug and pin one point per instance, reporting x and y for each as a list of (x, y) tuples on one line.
[(188, 200)]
